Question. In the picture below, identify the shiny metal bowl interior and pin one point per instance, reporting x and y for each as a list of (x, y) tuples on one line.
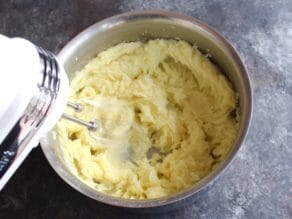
[(146, 25)]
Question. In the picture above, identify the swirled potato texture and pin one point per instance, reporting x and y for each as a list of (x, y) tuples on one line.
[(167, 114)]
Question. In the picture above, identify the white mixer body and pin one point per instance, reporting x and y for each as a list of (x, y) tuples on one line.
[(33, 93)]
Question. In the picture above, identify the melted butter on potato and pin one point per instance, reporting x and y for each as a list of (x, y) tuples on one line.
[(162, 96)]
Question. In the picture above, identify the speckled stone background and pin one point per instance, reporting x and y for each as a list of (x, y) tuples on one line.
[(258, 184)]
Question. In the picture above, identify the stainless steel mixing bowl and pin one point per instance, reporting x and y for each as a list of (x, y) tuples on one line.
[(143, 25)]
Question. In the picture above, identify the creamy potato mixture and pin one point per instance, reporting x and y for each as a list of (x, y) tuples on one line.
[(166, 116)]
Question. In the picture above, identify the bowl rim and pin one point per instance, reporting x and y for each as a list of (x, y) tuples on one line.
[(207, 180)]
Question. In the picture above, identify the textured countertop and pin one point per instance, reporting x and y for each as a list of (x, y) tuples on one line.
[(258, 184)]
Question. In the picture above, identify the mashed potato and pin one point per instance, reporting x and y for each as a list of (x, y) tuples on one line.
[(166, 115)]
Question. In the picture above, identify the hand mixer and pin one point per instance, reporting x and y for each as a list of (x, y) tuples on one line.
[(33, 94)]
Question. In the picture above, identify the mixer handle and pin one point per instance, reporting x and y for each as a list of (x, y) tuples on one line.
[(24, 135), (8, 149)]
